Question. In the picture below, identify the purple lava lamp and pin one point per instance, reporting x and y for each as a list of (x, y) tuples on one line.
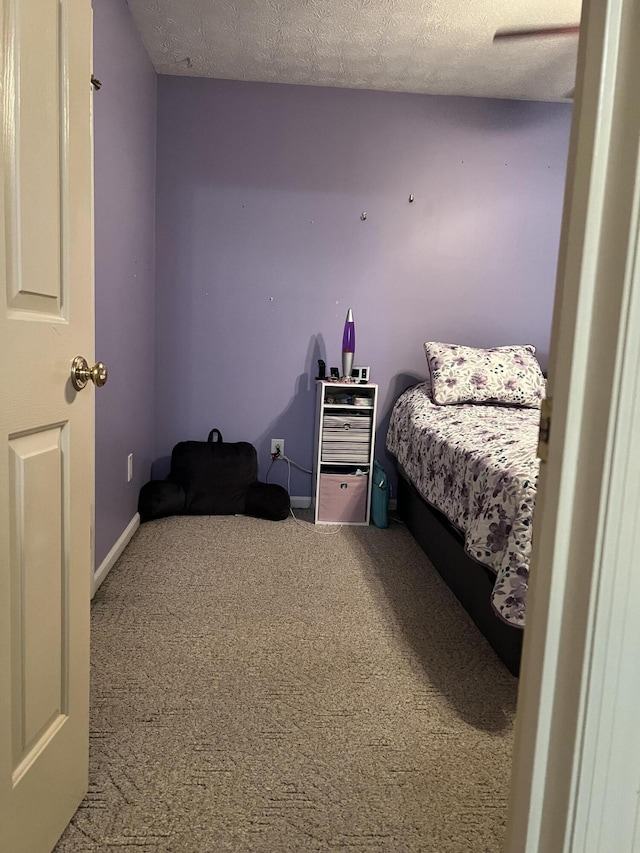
[(348, 345)]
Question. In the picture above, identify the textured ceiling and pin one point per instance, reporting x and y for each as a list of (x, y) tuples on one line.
[(429, 46)]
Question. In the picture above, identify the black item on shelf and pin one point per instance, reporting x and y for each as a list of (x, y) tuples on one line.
[(213, 478), (322, 369)]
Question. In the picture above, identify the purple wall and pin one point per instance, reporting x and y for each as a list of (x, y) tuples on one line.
[(261, 249), (125, 143)]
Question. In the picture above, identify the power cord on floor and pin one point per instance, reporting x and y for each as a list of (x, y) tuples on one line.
[(310, 528)]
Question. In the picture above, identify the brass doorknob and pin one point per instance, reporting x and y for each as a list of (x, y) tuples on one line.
[(81, 373)]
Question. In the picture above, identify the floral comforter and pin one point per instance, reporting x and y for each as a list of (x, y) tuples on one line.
[(477, 464)]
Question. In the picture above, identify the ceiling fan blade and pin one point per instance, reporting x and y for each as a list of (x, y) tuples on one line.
[(561, 30)]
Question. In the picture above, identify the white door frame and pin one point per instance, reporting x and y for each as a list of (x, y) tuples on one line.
[(576, 774)]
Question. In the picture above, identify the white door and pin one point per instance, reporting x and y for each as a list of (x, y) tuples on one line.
[(46, 427)]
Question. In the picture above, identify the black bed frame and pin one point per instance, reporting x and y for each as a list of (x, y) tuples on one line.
[(470, 582)]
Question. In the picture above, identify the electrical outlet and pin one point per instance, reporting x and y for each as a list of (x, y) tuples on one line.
[(277, 444), (129, 467)]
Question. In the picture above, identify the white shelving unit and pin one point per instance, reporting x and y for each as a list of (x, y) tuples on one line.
[(344, 449)]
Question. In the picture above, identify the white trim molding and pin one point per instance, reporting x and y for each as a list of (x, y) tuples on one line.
[(301, 501), (575, 784), (306, 502), (112, 557)]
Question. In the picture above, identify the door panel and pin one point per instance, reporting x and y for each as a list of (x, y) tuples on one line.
[(36, 81), (46, 428), (38, 624)]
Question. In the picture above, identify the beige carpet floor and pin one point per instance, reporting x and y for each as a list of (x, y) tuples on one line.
[(259, 686)]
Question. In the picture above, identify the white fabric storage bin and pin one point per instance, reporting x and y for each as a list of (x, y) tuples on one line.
[(346, 438), (342, 498), (334, 451), (348, 422)]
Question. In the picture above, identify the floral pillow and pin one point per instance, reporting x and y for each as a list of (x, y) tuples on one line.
[(507, 375)]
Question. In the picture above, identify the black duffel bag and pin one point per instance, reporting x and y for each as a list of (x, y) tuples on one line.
[(215, 475)]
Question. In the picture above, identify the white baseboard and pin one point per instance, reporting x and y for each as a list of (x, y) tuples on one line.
[(302, 502), (110, 560)]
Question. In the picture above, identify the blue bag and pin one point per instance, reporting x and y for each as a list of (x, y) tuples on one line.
[(379, 496)]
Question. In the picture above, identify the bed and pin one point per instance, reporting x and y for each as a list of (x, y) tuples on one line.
[(467, 483)]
